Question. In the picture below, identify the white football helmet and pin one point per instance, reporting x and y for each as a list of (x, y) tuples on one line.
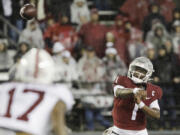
[(143, 63), (36, 66)]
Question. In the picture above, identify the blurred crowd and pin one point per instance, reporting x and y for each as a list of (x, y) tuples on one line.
[(88, 52)]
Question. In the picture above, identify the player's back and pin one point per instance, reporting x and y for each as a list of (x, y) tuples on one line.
[(27, 107)]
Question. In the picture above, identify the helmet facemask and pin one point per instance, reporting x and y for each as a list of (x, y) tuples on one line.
[(138, 74)]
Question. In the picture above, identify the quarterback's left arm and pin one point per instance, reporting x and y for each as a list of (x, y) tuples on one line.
[(152, 112)]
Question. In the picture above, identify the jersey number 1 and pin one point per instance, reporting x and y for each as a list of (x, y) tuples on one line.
[(24, 116), (134, 113)]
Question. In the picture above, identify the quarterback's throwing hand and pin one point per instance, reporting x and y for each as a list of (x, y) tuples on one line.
[(143, 94), (140, 95), (137, 98)]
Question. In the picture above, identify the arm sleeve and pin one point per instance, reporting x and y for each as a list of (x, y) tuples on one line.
[(115, 89), (155, 104), (65, 96), (118, 83)]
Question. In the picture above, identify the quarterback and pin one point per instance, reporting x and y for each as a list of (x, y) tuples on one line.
[(32, 105), (134, 99)]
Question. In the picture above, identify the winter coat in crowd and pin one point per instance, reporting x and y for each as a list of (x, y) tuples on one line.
[(64, 33), (66, 68), (23, 47), (151, 18), (175, 18), (157, 36), (136, 46), (114, 67), (121, 38), (176, 37), (90, 69), (94, 35), (167, 7), (33, 35), (79, 14)]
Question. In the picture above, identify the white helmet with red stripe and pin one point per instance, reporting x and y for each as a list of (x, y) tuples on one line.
[(144, 64), (36, 66)]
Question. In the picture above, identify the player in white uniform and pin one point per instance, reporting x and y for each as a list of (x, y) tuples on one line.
[(32, 105)]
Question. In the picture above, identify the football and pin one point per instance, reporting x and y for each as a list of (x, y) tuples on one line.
[(28, 11)]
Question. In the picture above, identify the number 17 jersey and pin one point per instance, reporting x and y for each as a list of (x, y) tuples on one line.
[(27, 107)]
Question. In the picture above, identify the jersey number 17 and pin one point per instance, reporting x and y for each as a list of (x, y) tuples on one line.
[(23, 116)]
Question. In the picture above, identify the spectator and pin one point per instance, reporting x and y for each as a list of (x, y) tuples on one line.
[(80, 13), (109, 39), (136, 46), (157, 36), (164, 75), (16, 19), (136, 10), (128, 27), (90, 67), (50, 21), (151, 54), (176, 17), (32, 34), (57, 50), (176, 14), (6, 8), (169, 47), (23, 47), (167, 7), (113, 66), (151, 18), (63, 32), (93, 34), (176, 37), (91, 72), (5, 59), (67, 71), (59, 6), (43, 13), (120, 38)]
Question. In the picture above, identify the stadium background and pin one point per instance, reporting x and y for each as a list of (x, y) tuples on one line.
[(125, 29)]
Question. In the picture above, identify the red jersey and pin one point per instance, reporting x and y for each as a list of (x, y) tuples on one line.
[(126, 114)]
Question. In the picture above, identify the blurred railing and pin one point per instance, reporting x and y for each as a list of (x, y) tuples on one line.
[(6, 27)]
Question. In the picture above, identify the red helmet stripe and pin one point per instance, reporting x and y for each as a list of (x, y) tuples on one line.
[(36, 64)]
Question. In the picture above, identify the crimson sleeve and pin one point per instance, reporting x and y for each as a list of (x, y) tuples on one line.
[(119, 81)]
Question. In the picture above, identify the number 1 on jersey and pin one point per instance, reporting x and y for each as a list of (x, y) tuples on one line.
[(11, 95), (134, 113)]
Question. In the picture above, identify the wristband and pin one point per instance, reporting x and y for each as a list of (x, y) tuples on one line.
[(135, 90), (141, 105)]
